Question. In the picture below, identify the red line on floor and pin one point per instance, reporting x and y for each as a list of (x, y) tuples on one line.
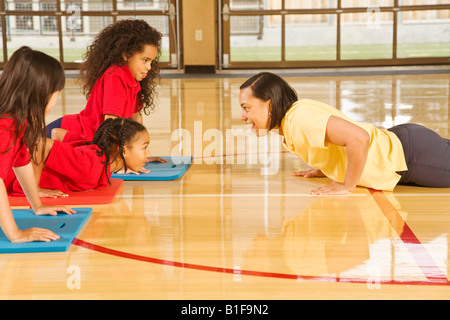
[(432, 272), (412, 243), (126, 255)]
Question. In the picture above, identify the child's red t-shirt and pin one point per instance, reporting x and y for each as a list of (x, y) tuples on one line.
[(15, 156), (115, 93), (70, 167)]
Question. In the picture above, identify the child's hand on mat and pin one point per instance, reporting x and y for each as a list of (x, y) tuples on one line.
[(49, 193), (141, 170), (156, 159), (52, 211), (34, 234), (144, 170), (314, 173)]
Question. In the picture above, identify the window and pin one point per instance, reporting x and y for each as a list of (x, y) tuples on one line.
[(63, 29), (316, 33)]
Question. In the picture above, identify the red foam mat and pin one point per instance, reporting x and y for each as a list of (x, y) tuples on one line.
[(91, 197)]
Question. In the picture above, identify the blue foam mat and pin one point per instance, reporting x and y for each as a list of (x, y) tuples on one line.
[(173, 169), (64, 225)]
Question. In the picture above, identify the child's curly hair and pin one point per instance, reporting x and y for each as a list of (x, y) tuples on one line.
[(125, 36)]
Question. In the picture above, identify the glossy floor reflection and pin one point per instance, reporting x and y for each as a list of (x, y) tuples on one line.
[(237, 226)]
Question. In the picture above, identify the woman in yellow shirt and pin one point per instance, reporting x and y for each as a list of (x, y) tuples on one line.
[(348, 152)]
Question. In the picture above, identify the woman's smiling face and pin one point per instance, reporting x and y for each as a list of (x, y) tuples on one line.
[(255, 112)]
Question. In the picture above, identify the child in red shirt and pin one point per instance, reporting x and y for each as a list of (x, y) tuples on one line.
[(119, 76), (29, 87), (118, 144)]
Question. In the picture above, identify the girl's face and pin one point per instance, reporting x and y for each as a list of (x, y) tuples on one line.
[(255, 112), (140, 63), (137, 153), (52, 102)]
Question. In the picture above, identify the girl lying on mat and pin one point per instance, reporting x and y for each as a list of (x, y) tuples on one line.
[(119, 144), (348, 152), (29, 87)]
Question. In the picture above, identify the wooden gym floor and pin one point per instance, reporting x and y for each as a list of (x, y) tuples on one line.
[(237, 226)]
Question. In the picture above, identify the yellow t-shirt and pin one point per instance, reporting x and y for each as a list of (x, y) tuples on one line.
[(304, 127)]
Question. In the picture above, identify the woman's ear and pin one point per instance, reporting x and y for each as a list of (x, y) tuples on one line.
[(124, 56), (269, 105)]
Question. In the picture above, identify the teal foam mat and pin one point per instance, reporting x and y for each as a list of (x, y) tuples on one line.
[(173, 169), (64, 225)]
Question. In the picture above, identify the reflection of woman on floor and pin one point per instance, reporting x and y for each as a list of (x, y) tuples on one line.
[(327, 237), (348, 152)]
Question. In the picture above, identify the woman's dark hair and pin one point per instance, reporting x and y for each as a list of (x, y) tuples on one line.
[(115, 133), (26, 85), (128, 37), (265, 86)]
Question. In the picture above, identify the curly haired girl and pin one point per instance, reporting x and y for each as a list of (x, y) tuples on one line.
[(119, 79), (118, 144)]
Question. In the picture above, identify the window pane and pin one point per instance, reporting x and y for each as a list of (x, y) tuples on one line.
[(30, 5), (421, 2), (311, 37), (31, 31), (255, 38), (139, 5), (310, 4), (49, 23), (78, 33), (423, 34), (105, 5), (236, 5), (367, 36), (367, 3)]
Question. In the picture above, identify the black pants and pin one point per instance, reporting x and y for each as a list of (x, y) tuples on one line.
[(53, 125), (427, 156)]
